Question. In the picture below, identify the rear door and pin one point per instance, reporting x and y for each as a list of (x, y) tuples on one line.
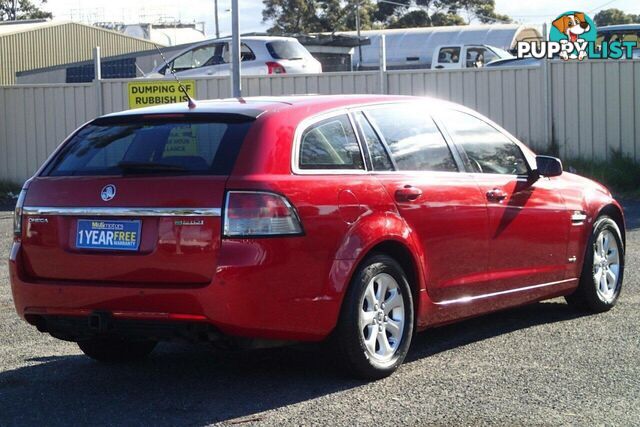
[(133, 200), (528, 220), (442, 204)]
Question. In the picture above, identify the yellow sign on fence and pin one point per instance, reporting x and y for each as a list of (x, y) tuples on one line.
[(145, 94)]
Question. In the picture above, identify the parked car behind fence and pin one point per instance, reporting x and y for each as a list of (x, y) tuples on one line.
[(260, 55)]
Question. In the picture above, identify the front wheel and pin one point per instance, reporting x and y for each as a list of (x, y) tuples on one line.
[(603, 269), (376, 323)]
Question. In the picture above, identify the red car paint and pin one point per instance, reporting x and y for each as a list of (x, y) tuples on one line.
[(469, 255)]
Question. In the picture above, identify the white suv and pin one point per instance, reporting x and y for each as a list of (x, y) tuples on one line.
[(261, 55)]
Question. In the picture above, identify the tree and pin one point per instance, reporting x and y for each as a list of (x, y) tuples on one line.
[(482, 10), (614, 16), (306, 16), (434, 13), (291, 16), (25, 9)]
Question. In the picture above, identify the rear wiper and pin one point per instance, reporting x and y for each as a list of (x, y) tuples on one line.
[(148, 167), (296, 58)]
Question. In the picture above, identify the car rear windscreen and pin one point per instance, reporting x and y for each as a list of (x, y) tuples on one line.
[(287, 49), (152, 145)]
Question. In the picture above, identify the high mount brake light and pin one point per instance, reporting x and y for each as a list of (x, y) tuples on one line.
[(257, 213)]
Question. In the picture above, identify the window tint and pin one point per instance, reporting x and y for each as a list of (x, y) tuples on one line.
[(150, 147), (330, 144), (415, 142), (488, 150), (287, 49), (379, 157)]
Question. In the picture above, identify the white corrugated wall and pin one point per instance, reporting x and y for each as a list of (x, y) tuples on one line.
[(587, 109)]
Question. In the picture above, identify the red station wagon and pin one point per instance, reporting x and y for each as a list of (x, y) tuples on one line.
[(263, 221)]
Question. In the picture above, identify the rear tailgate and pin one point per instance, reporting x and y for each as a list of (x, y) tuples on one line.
[(179, 229), (153, 226)]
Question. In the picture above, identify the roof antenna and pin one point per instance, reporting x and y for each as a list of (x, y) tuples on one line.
[(190, 102)]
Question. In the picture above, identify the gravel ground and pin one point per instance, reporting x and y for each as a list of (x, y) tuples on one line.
[(541, 364)]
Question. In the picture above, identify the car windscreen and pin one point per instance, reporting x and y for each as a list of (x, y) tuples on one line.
[(287, 49), (148, 145)]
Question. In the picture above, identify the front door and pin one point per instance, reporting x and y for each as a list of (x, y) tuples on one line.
[(528, 220)]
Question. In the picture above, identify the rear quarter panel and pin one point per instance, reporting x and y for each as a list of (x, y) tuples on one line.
[(343, 217)]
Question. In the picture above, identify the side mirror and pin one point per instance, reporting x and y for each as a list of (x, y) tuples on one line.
[(548, 166)]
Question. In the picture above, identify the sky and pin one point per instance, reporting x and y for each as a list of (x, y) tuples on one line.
[(134, 11)]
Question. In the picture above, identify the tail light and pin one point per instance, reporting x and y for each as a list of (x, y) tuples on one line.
[(17, 214), (275, 68), (256, 213)]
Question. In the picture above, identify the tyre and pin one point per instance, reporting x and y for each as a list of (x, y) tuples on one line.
[(603, 269), (109, 349), (376, 323)]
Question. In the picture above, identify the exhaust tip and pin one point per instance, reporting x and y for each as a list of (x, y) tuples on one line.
[(38, 321)]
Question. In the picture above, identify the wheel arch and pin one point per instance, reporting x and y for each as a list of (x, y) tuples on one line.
[(403, 253), (614, 211), (403, 256)]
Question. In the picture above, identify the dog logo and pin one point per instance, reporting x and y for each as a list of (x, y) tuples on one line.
[(573, 35), (108, 192), (575, 28)]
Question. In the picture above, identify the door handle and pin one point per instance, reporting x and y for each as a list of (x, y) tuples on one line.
[(439, 67), (408, 194), (496, 195)]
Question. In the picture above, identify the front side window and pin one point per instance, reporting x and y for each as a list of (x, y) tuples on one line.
[(478, 56), (487, 149), (415, 142), (330, 144), (195, 58)]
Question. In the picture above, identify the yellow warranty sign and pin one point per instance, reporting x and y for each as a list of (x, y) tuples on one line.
[(145, 94)]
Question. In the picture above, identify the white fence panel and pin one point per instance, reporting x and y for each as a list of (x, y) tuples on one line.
[(584, 109), (35, 119), (509, 96), (596, 108)]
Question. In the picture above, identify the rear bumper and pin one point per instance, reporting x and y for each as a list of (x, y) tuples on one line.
[(249, 301)]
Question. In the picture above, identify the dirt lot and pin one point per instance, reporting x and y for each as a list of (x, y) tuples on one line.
[(542, 364)]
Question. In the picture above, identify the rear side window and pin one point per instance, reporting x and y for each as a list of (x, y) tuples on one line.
[(287, 49), (330, 144), (415, 142), (449, 55), (151, 146), (487, 149)]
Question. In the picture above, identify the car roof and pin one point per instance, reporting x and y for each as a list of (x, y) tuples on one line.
[(245, 39), (253, 107)]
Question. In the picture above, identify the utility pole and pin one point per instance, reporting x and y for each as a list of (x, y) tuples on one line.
[(358, 30), (236, 83), (14, 9), (215, 2)]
